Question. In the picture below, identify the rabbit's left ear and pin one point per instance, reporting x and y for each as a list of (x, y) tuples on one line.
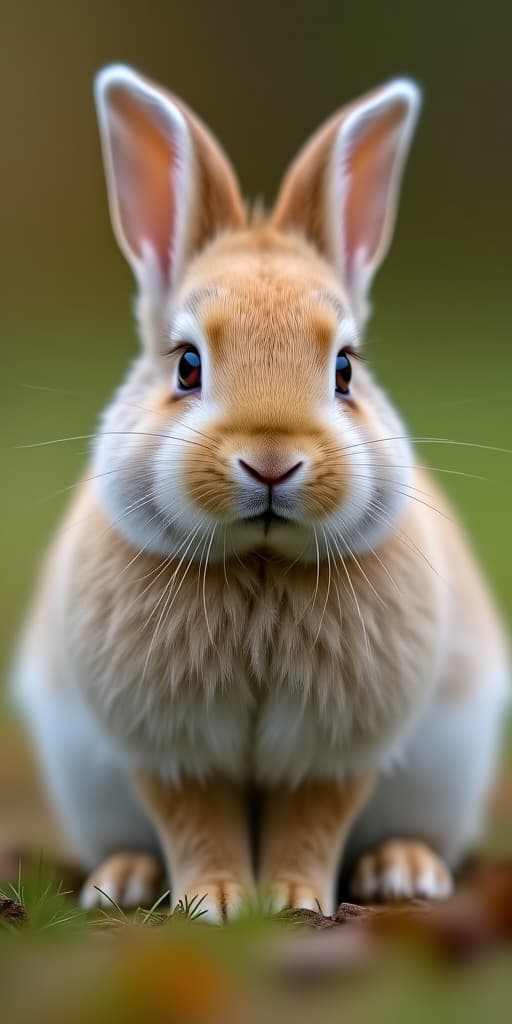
[(342, 189), (170, 186)]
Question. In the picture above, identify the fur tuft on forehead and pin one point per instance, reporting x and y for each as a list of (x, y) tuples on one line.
[(262, 281)]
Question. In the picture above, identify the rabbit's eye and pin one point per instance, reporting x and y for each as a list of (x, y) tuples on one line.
[(343, 373), (189, 370)]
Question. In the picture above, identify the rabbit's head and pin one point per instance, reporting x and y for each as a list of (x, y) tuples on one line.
[(250, 421)]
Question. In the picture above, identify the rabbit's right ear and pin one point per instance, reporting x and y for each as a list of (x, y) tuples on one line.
[(170, 186), (342, 190)]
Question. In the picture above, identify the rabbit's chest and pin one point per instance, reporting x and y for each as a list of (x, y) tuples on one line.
[(267, 677)]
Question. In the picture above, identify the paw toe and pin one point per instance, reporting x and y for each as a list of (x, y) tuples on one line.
[(126, 880), (296, 895), (401, 871), (216, 901)]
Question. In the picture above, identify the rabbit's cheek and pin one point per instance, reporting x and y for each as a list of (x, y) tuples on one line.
[(207, 486)]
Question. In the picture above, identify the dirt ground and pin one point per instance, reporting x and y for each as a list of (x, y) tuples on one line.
[(419, 961)]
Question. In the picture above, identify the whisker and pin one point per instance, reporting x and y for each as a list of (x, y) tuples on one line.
[(90, 479), (44, 387), (188, 426), (337, 589), (430, 469), (328, 587), (429, 440), (295, 561), (224, 557), (143, 549), (166, 593), (113, 433), (168, 560), (166, 524), (210, 634), (404, 494), (402, 536), (139, 503), (317, 568), (135, 506), (354, 558), (386, 480), (421, 501), (379, 559), (167, 610), (354, 595), (311, 602)]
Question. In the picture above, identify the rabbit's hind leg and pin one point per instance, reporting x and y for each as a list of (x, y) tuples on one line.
[(85, 776), (427, 809)]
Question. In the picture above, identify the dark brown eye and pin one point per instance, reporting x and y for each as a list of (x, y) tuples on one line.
[(189, 370), (343, 373)]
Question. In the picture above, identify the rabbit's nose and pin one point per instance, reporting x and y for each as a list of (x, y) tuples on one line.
[(267, 475)]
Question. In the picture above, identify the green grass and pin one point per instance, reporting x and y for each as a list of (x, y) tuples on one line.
[(50, 905), (46, 902), (64, 965)]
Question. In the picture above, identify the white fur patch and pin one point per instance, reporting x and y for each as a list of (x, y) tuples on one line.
[(404, 879)]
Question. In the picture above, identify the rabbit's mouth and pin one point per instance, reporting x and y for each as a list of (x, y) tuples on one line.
[(268, 518)]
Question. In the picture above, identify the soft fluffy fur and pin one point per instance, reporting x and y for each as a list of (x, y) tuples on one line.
[(347, 659)]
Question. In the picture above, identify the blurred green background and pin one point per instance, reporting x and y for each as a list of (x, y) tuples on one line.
[(262, 75)]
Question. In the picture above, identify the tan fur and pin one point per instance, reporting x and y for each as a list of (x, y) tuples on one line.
[(302, 837), (204, 832), (269, 643), (262, 298), (211, 653)]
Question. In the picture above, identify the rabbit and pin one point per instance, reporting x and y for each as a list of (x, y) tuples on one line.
[(250, 592)]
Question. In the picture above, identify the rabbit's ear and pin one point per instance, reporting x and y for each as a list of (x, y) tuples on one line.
[(170, 187), (342, 189)]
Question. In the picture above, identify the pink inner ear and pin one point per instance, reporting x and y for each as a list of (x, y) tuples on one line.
[(369, 197), (144, 161)]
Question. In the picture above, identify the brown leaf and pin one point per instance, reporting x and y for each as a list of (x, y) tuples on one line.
[(11, 911)]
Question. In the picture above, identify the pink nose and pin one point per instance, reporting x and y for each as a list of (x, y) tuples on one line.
[(266, 476)]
